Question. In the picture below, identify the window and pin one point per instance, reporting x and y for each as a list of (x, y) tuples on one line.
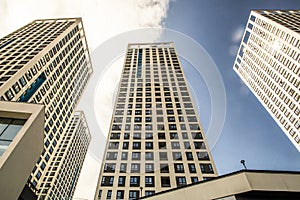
[(120, 194), (110, 167), (113, 145), (173, 136), (189, 155), (149, 181), (187, 145), (136, 156), (149, 136), (124, 155), (135, 168), (125, 145), (163, 156), (164, 168), (206, 168), (111, 155), (197, 135), (9, 128), (149, 167), (194, 179), (202, 156), (161, 136), (192, 168), (199, 145), (179, 168), (123, 167), (121, 181), (165, 181), (172, 127), (177, 156), (149, 156), (134, 194), (175, 145), (134, 181), (107, 181), (149, 145), (180, 181), (136, 145), (149, 192), (126, 136), (109, 193), (162, 145), (137, 136)]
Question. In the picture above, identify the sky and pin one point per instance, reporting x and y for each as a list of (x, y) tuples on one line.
[(249, 132)]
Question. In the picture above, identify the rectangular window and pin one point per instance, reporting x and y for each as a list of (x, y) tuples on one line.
[(180, 181), (121, 181), (165, 181), (134, 181), (149, 181)]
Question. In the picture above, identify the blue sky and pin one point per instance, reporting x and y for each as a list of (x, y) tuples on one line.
[(249, 132)]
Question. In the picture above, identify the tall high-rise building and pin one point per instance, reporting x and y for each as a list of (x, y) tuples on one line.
[(155, 140), (70, 156), (268, 63), (47, 62)]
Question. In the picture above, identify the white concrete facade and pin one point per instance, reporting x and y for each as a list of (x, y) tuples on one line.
[(156, 141), (268, 62)]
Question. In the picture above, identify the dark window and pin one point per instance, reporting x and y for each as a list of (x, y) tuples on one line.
[(175, 145), (107, 181), (121, 181), (149, 156), (179, 168), (206, 168), (149, 145), (109, 193), (194, 179), (189, 155), (149, 168), (165, 181), (136, 145), (134, 194), (109, 167), (136, 156), (123, 168), (202, 156), (149, 136), (192, 168), (163, 156), (164, 168), (149, 181), (162, 145), (199, 145), (161, 136), (187, 145), (126, 136), (134, 181), (173, 136), (135, 168), (120, 194), (125, 145), (177, 156), (180, 181), (124, 155)]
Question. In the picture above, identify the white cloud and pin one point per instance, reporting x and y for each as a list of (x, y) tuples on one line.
[(237, 34), (102, 19)]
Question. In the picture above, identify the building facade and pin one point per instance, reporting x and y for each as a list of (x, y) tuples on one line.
[(46, 62), (155, 141), (268, 63), (21, 144), (69, 159)]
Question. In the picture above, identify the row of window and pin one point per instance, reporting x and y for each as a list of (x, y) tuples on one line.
[(162, 155)]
